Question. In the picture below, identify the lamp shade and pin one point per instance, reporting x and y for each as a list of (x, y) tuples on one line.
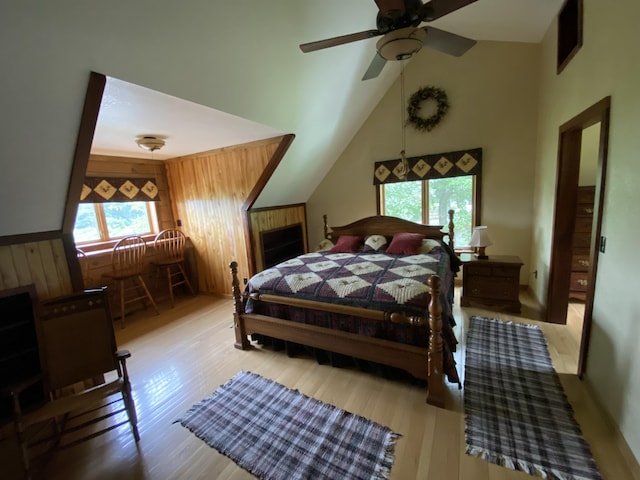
[(480, 237)]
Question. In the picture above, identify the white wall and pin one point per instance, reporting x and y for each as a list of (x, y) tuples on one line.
[(240, 57), (492, 91), (607, 64)]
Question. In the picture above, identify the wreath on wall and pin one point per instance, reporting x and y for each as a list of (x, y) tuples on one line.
[(416, 100)]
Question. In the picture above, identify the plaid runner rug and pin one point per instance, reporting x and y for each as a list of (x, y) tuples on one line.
[(278, 433), (516, 412)]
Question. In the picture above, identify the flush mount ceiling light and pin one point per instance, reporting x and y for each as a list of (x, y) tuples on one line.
[(150, 143)]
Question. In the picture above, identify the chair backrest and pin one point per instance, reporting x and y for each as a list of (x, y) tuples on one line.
[(76, 338), (170, 244), (128, 255)]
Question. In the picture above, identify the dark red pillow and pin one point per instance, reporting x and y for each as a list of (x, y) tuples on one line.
[(348, 244), (405, 243)]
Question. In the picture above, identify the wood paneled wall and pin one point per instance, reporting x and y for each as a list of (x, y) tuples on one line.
[(137, 168), (209, 190), (41, 262), (263, 219)]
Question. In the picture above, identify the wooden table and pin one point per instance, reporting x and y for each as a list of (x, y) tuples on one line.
[(493, 282)]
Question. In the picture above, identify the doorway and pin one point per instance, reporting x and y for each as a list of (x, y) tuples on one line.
[(566, 214)]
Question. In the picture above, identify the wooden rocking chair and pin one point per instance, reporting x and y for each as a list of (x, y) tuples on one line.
[(84, 377)]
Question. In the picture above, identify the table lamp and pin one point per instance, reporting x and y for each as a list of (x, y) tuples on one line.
[(480, 240)]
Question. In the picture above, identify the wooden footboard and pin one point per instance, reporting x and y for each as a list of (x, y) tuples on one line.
[(421, 363)]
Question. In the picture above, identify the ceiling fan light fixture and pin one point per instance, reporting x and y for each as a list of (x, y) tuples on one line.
[(151, 143), (401, 44)]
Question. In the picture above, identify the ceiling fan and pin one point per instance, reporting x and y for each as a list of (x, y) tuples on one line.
[(398, 21)]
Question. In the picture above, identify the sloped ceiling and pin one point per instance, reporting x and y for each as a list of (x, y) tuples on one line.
[(236, 63)]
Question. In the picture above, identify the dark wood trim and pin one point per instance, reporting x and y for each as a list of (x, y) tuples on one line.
[(564, 224), (570, 136), (88, 121), (285, 143), (279, 207), (29, 237), (283, 147), (75, 272)]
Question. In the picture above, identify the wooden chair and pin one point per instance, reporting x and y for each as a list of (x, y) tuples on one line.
[(127, 263), (170, 245), (77, 346)]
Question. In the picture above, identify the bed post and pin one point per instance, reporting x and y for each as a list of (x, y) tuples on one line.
[(242, 342), (435, 393), (325, 226), (451, 230)]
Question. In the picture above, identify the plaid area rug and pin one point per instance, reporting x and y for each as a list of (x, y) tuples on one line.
[(278, 433), (516, 412)]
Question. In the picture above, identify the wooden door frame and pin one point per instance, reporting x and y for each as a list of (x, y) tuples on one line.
[(569, 144)]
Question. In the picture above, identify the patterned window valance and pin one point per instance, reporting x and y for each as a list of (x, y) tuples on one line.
[(438, 165), (101, 189)]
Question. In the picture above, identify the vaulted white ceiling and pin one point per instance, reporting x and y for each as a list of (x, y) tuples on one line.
[(203, 73), (129, 110)]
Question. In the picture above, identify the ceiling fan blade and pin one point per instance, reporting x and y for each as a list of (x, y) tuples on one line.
[(439, 8), (376, 66), (391, 8), (332, 42), (447, 42)]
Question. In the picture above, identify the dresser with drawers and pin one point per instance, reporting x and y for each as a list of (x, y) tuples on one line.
[(581, 243)]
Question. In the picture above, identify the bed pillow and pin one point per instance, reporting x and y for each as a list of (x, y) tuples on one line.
[(324, 245), (376, 243), (405, 243), (428, 244), (348, 244)]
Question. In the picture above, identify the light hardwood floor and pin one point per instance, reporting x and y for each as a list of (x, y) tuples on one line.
[(185, 353)]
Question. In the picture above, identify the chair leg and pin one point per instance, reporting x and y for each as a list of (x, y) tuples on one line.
[(24, 447), (146, 291), (170, 285), (130, 407), (122, 302), (186, 279)]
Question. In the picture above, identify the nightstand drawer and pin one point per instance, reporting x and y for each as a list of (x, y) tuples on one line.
[(496, 288), (492, 271), (478, 270)]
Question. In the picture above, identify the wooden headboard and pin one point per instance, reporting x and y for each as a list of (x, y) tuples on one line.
[(387, 226)]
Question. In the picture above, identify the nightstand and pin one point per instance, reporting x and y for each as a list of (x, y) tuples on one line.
[(494, 282)]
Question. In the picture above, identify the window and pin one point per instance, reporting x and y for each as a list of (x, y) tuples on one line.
[(101, 222), (429, 201), (569, 32)]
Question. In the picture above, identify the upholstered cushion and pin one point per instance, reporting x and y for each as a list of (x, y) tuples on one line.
[(348, 244), (375, 242), (405, 243), (428, 244)]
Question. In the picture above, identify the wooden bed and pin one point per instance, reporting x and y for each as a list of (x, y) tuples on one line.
[(423, 363)]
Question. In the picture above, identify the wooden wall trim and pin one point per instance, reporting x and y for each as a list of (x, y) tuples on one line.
[(30, 237), (88, 120), (284, 145)]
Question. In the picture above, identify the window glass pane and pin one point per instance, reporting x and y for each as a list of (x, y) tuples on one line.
[(404, 200), (453, 193), (86, 227), (126, 218)]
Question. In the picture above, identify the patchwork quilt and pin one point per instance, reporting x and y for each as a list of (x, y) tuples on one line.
[(375, 280)]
